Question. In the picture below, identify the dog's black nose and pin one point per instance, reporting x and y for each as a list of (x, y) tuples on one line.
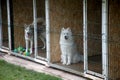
[(29, 34), (66, 37)]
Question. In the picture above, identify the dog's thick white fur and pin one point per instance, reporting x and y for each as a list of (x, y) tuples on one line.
[(29, 34), (69, 53)]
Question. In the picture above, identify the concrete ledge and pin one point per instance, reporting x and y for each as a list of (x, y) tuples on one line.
[(39, 67)]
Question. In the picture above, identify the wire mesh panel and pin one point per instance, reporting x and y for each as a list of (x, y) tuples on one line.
[(94, 35), (41, 29), (66, 22), (22, 18), (4, 23), (114, 40), (23, 27)]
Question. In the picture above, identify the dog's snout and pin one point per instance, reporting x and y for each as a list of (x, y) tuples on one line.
[(66, 37), (28, 33)]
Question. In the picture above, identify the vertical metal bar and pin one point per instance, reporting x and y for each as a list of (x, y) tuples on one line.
[(85, 35), (9, 24), (35, 27), (47, 30), (0, 25), (105, 38)]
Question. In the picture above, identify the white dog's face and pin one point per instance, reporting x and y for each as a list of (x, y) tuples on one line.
[(66, 33)]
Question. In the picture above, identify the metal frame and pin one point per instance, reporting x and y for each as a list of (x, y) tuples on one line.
[(9, 24), (1, 38), (47, 30), (105, 38), (35, 27), (85, 35)]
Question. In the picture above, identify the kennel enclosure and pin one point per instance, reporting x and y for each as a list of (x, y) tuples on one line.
[(94, 24)]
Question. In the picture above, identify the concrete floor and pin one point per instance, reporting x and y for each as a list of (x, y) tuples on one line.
[(39, 68)]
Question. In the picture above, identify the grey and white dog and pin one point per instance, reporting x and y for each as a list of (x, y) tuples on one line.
[(29, 34)]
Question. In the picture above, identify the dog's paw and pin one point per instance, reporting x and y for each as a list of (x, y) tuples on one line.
[(43, 47), (30, 52), (68, 63), (64, 63)]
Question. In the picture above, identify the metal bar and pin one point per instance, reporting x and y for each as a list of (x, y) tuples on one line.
[(67, 69), (0, 25), (95, 74), (105, 38), (47, 30), (41, 58), (85, 35), (75, 72), (35, 27), (30, 58), (9, 24)]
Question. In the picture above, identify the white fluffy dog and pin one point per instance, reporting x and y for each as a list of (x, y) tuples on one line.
[(29, 34), (69, 53)]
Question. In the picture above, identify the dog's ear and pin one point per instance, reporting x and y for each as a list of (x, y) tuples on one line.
[(30, 26), (63, 29), (68, 29), (25, 25)]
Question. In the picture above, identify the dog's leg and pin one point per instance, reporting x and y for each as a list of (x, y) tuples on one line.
[(31, 46), (68, 60), (61, 58), (44, 42), (64, 59), (26, 45)]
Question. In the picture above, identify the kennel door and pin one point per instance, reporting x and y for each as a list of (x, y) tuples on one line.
[(4, 41), (94, 42), (41, 30)]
